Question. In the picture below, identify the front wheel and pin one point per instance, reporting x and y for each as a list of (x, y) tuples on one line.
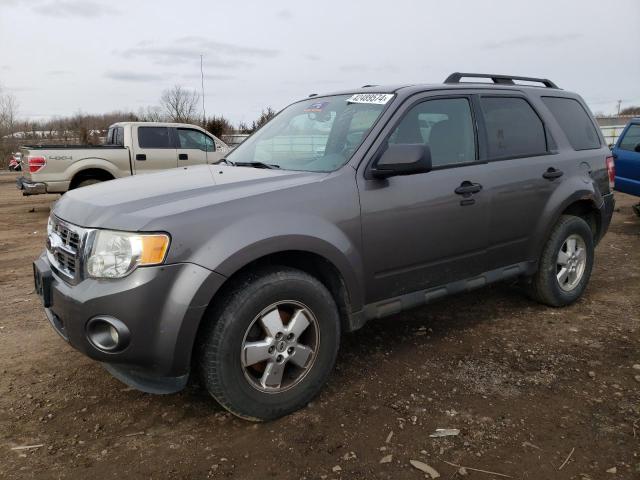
[(270, 345), (565, 264)]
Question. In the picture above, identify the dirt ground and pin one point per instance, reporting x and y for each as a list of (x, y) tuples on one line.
[(527, 386)]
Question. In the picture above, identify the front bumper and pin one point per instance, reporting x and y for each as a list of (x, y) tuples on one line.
[(30, 188), (161, 307)]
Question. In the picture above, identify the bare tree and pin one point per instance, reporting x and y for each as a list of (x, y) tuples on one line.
[(151, 114), (264, 117), (8, 113), (633, 110), (180, 104)]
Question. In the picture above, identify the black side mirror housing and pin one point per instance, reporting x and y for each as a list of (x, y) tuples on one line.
[(637, 148), (402, 159)]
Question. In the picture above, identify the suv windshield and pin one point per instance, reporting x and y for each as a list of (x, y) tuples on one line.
[(315, 135)]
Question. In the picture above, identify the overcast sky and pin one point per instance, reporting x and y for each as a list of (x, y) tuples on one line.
[(59, 57)]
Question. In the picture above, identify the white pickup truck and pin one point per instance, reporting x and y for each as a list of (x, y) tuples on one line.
[(131, 148)]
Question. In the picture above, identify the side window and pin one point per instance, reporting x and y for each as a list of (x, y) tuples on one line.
[(118, 137), (513, 127), (194, 139), (631, 139), (445, 125), (574, 121), (154, 137)]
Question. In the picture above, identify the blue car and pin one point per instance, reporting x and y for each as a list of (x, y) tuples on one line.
[(626, 153)]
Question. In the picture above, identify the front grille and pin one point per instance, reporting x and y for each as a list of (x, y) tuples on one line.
[(64, 248)]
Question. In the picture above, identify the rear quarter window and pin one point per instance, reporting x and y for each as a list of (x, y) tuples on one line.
[(514, 129), (154, 137), (574, 121)]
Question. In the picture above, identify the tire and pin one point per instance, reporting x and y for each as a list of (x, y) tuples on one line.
[(87, 182), (234, 330), (550, 285)]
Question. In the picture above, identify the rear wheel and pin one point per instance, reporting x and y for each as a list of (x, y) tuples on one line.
[(565, 264), (270, 345), (87, 182)]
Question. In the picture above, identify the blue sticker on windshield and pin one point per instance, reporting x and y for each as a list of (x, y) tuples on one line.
[(316, 107)]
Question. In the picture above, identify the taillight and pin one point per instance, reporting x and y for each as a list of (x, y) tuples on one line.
[(611, 171), (36, 163)]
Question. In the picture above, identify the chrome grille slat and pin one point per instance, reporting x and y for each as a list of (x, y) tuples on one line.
[(64, 248)]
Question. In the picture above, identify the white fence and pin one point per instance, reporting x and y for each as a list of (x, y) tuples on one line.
[(611, 133)]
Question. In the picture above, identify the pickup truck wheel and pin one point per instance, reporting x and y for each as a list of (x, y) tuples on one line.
[(87, 182), (270, 346), (566, 263)]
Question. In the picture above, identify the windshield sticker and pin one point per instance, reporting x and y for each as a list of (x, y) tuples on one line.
[(316, 107), (375, 98)]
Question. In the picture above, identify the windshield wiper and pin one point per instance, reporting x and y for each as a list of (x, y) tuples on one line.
[(256, 165)]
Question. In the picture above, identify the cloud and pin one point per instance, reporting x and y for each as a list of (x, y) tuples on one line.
[(58, 72), (75, 8), (127, 76), (354, 68), (284, 14), (212, 76), (538, 40), (20, 89), (134, 76), (189, 49)]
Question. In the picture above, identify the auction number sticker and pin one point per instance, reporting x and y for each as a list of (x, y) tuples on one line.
[(375, 98)]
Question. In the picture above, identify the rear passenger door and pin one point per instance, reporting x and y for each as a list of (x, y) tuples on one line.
[(526, 169), (627, 158), (155, 149), (195, 147), (417, 231)]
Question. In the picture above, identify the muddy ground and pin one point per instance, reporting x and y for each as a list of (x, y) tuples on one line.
[(526, 385)]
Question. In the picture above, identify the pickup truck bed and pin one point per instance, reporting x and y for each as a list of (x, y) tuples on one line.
[(71, 147)]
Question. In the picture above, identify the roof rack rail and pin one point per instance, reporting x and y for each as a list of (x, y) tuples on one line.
[(369, 86), (498, 79)]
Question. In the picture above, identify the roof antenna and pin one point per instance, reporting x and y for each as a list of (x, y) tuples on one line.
[(204, 112)]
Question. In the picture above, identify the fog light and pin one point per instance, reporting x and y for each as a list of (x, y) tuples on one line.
[(108, 334)]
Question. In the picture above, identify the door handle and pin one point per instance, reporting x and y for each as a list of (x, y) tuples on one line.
[(468, 188), (141, 156), (552, 173), (183, 156)]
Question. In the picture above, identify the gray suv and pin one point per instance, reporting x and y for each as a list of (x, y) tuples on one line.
[(343, 208)]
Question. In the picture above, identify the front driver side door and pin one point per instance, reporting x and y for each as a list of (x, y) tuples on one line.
[(196, 148), (417, 232)]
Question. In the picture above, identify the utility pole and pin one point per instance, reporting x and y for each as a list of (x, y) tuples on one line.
[(204, 113), (619, 104)]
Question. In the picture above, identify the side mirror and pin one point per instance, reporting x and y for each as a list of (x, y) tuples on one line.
[(402, 159), (637, 148)]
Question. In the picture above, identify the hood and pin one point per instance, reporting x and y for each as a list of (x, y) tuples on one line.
[(132, 203)]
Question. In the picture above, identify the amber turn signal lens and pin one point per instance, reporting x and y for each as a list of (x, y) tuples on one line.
[(154, 249)]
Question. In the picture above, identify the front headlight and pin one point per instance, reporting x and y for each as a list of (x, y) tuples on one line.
[(117, 254)]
